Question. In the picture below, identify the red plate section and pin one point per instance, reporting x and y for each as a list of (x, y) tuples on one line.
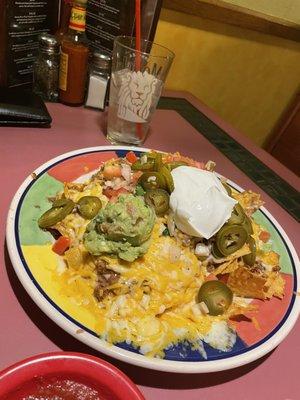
[(73, 168), (268, 317)]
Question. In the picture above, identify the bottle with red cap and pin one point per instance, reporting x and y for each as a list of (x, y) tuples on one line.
[(74, 58), (65, 13)]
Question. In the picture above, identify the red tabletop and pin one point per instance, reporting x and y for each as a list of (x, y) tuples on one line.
[(26, 331)]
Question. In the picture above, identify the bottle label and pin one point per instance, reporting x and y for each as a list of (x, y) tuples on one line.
[(77, 19), (63, 71)]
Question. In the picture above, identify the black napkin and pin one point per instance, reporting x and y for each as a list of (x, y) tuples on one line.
[(21, 107)]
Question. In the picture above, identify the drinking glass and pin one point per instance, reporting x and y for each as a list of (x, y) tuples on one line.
[(136, 84)]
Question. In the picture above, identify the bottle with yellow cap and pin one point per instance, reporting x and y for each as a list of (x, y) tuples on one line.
[(74, 58)]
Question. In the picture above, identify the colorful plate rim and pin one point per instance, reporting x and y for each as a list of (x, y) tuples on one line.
[(19, 265)]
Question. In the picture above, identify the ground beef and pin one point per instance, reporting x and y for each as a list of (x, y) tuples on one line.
[(257, 268), (105, 278)]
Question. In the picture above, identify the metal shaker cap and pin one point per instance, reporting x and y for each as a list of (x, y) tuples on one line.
[(101, 60), (48, 43)]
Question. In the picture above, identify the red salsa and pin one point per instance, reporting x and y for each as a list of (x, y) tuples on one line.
[(54, 388)]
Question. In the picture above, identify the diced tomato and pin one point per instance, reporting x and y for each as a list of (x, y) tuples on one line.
[(131, 157), (61, 245), (264, 236), (112, 171), (110, 193)]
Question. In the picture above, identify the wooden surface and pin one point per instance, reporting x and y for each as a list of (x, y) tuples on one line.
[(221, 11), (285, 142)]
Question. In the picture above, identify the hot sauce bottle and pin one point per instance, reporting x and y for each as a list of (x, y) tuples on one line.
[(65, 13), (74, 58)]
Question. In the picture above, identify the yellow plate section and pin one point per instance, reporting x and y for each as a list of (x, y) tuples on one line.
[(43, 263)]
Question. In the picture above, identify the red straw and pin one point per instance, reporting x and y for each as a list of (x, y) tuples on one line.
[(138, 34), (138, 51)]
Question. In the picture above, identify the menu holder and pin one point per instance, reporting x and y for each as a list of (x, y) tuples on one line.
[(110, 18), (21, 23), (3, 71)]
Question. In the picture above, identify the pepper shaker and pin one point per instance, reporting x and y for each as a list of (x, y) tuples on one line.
[(46, 68), (98, 81)]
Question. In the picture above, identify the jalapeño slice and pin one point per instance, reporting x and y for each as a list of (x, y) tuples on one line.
[(237, 216), (247, 224), (216, 295), (250, 258), (60, 209), (147, 166), (231, 238), (158, 199), (215, 252), (89, 206), (169, 183), (158, 163), (152, 180)]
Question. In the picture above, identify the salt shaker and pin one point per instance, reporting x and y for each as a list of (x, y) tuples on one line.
[(98, 80), (46, 68)]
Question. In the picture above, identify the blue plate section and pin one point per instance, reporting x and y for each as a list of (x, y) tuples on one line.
[(183, 351), (122, 153)]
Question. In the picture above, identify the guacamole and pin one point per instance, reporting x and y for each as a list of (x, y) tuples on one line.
[(122, 228)]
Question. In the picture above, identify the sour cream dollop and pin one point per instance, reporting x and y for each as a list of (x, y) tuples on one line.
[(199, 202)]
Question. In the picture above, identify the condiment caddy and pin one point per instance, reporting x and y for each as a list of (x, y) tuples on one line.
[(66, 70)]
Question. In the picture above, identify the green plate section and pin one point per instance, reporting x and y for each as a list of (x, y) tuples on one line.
[(276, 243), (263, 176), (34, 205)]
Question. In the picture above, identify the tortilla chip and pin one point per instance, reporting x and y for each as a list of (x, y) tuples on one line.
[(255, 323), (227, 267), (249, 200), (246, 284), (275, 286), (230, 263), (239, 309)]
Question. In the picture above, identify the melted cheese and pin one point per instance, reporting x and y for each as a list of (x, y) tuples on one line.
[(154, 305)]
